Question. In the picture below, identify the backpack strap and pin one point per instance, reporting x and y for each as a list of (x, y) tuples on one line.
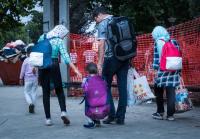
[(162, 40), (108, 40), (84, 92), (82, 100), (45, 37)]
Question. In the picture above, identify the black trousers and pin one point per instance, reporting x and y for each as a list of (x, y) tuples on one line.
[(170, 93), (53, 74), (112, 66)]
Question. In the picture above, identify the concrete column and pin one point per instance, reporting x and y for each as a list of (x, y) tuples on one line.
[(48, 15), (64, 19)]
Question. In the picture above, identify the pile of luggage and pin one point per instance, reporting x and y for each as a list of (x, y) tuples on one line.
[(14, 51)]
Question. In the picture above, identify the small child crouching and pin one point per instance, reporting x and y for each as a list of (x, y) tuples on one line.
[(96, 99)]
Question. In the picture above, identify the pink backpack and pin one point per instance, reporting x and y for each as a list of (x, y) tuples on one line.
[(96, 98), (171, 59)]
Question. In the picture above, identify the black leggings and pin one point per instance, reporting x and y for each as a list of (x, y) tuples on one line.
[(45, 76), (170, 93)]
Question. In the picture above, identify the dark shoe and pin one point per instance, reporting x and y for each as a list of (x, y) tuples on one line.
[(66, 121), (119, 121), (31, 108), (158, 116), (97, 122), (90, 125), (109, 120)]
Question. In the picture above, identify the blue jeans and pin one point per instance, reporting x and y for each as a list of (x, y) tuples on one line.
[(112, 66)]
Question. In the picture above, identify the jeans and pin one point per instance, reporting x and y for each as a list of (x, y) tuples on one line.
[(112, 66), (170, 93)]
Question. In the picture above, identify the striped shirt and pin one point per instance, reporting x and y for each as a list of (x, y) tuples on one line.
[(164, 78)]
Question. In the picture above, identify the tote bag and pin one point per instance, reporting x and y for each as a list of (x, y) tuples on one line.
[(183, 103), (139, 91)]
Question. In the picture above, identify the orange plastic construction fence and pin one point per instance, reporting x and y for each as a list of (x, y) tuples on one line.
[(84, 49)]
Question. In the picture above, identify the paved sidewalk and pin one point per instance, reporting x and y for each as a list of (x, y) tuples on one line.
[(17, 123)]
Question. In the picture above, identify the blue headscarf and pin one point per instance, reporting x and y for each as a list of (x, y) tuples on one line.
[(160, 32)]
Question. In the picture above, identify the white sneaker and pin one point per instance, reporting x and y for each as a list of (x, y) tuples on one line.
[(48, 122), (149, 101), (170, 118), (63, 113)]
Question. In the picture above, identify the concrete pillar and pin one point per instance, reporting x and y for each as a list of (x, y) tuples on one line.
[(48, 24), (48, 15), (64, 19)]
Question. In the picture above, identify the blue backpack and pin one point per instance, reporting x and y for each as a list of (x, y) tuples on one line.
[(44, 47)]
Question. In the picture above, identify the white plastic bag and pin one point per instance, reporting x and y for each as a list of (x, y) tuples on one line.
[(141, 89), (130, 94), (36, 59), (138, 88)]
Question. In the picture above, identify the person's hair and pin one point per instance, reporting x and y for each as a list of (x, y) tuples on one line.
[(28, 50), (99, 10), (91, 68)]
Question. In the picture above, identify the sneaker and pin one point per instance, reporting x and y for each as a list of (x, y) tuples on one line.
[(149, 101), (158, 116), (109, 120), (170, 118), (90, 125), (48, 122), (31, 108), (97, 122), (66, 121)]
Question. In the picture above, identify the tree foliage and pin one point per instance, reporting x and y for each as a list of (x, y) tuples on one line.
[(145, 14), (11, 28), (12, 10), (28, 33), (78, 14), (34, 27)]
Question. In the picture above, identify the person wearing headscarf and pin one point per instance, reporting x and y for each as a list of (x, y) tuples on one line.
[(164, 80), (58, 33)]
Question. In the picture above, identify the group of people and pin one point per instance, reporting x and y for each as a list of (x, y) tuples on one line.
[(107, 67)]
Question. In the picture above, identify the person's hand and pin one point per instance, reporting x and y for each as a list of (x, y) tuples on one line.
[(155, 73), (20, 82), (99, 66), (78, 73)]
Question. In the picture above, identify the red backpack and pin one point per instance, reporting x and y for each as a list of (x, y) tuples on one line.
[(171, 59)]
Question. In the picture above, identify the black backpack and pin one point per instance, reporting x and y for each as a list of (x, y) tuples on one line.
[(123, 40)]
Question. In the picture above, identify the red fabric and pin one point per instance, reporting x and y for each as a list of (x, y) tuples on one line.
[(9, 72), (168, 50)]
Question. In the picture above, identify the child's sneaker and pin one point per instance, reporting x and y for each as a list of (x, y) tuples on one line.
[(97, 122), (158, 116), (66, 121), (48, 122), (90, 125), (170, 118)]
